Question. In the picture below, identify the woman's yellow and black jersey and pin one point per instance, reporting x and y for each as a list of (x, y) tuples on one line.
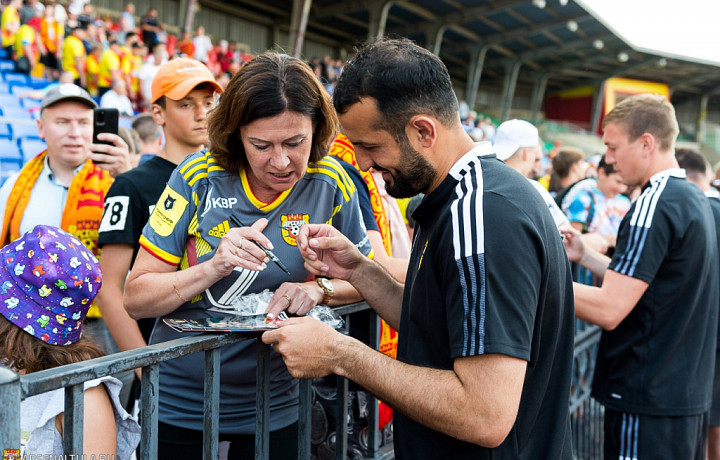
[(186, 227)]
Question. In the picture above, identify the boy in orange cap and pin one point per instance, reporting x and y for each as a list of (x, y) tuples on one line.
[(183, 91)]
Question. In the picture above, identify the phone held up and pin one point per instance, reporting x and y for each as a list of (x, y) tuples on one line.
[(105, 120)]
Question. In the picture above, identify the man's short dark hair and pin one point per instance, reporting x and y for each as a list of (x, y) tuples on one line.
[(403, 78), (605, 166), (694, 164)]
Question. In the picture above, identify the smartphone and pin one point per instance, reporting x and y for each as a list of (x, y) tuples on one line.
[(105, 120)]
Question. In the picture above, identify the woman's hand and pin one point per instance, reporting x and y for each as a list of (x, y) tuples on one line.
[(295, 298), (236, 249)]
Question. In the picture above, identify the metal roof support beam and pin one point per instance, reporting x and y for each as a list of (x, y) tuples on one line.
[(702, 119), (477, 61), (378, 19), (597, 105), (511, 76), (298, 25), (537, 95)]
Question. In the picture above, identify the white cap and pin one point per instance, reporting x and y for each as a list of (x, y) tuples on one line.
[(513, 135)]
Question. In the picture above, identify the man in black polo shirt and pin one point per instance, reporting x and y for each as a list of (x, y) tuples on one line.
[(658, 302), (485, 318)]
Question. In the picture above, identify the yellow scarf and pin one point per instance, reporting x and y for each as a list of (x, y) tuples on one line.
[(343, 149), (83, 208)]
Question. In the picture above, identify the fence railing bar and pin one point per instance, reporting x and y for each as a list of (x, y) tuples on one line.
[(341, 415), (149, 411), (373, 441), (73, 420), (262, 402), (73, 374), (211, 404), (9, 409), (304, 419)]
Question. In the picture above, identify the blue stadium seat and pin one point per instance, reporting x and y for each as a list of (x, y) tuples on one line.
[(29, 103), (4, 87), (5, 131), (31, 147), (9, 150), (16, 112), (38, 82), (16, 88), (8, 100), (12, 77), (4, 54), (6, 65), (24, 130), (8, 167)]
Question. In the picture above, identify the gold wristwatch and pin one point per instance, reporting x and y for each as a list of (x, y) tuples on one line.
[(327, 289)]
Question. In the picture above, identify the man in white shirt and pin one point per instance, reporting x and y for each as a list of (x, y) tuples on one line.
[(117, 98)]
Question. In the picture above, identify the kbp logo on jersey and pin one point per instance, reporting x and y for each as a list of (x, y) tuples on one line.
[(290, 226)]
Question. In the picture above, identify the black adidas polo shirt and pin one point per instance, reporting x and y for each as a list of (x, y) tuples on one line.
[(659, 361), (488, 274)]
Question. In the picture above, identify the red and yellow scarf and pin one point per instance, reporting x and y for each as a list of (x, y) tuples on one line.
[(342, 148), (83, 207)]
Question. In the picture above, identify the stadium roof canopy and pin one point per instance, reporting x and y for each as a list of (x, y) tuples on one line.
[(566, 43)]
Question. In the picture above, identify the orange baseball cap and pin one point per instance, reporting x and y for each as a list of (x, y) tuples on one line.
[(176, 78)]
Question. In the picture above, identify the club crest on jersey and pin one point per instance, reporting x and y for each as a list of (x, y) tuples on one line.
[(290, 226), (169, 203)]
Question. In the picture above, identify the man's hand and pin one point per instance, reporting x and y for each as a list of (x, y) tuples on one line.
[(573, 242), (327, 252), (114, 158), (308, 346)]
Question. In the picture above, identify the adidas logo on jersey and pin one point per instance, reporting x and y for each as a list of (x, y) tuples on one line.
[(219, 230)]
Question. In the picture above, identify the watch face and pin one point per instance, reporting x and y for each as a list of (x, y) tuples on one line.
[(327, 286)]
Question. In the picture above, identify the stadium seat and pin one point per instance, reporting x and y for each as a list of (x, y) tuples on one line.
[(25, 130), (16, 88), (8, 100), (18, 78), (10, 151), (38, 82), (15, 112), (5, 131), (29, 103), (6, 65), (31, 147), (8, 167)]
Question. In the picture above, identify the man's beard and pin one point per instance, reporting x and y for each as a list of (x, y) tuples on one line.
[(416, 175)]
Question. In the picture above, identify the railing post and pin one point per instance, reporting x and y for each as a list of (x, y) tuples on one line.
[(262, 402), (373, 410), (73, 429), (341, 412), (304, 419), (149, 411), (10, 395), (211, 404)]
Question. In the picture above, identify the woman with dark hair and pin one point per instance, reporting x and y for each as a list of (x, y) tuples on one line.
[(266, 167)]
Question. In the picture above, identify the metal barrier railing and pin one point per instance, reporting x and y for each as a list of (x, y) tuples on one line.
[(585, 413), (15, 388)]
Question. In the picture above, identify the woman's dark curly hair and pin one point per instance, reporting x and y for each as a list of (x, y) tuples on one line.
[(267, 86)]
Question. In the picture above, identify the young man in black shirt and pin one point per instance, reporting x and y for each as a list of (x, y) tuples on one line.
[(485, 318), (658, 302), (181, 101)]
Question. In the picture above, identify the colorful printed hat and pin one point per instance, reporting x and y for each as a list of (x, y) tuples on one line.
[(48, 279)]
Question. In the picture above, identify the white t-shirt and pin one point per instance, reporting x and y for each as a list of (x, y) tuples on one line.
[(202, 46), (111, 99)]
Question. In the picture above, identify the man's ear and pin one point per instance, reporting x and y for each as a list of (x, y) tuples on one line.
[(158, 114), (422, 130), (649, 143)]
